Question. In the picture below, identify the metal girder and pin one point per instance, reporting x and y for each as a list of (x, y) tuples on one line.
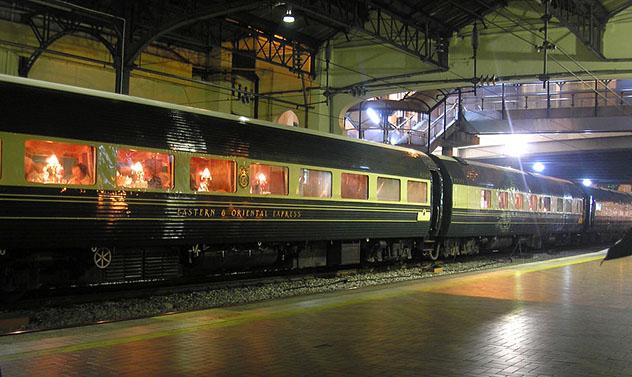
[(190, 16), (586, 19), (625, 5), (262, 46), (407, 37), (375, 20), (48, 28)]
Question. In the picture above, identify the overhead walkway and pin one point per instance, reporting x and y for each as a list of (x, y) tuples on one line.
[(564, 107)]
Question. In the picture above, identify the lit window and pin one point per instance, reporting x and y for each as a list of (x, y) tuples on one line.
[(354, 186), (417, 192), (209, 175), (560, 205), (51, 162), (388, 189), (143, 169), (519, 201), (546, 204), (268, 179), (314, 183), (486, 199), (533, 203), (503, 200)]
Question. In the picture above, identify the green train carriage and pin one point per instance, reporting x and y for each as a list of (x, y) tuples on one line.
[(491, 207), (161, 186)]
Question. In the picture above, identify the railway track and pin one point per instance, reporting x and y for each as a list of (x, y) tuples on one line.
[(53, 309)]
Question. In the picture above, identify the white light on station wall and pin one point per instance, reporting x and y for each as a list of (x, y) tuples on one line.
[(587, 182), (375, 118)]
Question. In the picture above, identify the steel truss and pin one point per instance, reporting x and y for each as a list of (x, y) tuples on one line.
[(586, 19), (374, 20)]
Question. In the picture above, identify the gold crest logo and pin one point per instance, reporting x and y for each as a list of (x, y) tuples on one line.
[(243, 177)]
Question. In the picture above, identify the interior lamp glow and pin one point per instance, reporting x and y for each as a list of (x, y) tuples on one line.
[(375, 118), (587, 182), (538, 167), (289, 17)]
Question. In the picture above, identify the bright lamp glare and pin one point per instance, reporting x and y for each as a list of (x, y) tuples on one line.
[(375, 118), (587, 182), (288, 18), (538, 167), (515, 148)]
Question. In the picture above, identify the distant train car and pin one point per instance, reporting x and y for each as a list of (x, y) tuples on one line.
[(136, 189), (608, 214), (490, 207)]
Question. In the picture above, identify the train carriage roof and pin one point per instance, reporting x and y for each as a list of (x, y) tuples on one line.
[(475, 173), (601, 194), (54, 110)]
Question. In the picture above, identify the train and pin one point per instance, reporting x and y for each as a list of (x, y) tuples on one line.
[(102, 188)]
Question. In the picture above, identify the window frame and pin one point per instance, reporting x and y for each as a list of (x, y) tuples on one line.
[(172, 160), (92, 147), (399, 191), (515, 201), (367, 183), (486, 197), (544, 201), (424, 185), (302, 170), (500, 201), (235, 166), (287, 177)]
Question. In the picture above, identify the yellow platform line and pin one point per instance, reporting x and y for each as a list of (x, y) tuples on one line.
[(220, 318)]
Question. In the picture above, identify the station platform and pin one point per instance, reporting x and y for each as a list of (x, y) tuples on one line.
[(563, 317)]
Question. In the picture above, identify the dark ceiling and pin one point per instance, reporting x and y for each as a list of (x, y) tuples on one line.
[(604, 167)]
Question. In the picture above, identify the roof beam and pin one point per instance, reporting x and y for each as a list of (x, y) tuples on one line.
[(586, 19), (371, 18), (619, 9)]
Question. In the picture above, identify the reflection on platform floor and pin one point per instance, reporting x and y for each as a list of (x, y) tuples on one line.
[(567, 317)]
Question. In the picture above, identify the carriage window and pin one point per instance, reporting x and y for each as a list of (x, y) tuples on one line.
[(503, 200), (417, 192), (560, 205), (268, 179), (567, 205), (388, 189), (486, 198), (519, 201), (209, 175), (354, 186), (143, 169), (51, 162), (314, 183), (577, 206), (546, 204), (533, 203)]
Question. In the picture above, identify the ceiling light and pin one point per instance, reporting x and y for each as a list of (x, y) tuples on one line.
[(538, 167), (289, 17), (587, 182)]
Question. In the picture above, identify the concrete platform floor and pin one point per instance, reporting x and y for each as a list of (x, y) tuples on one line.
[(569, 317)]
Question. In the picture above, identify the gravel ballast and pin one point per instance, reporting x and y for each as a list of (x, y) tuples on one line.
[(53, 315)]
